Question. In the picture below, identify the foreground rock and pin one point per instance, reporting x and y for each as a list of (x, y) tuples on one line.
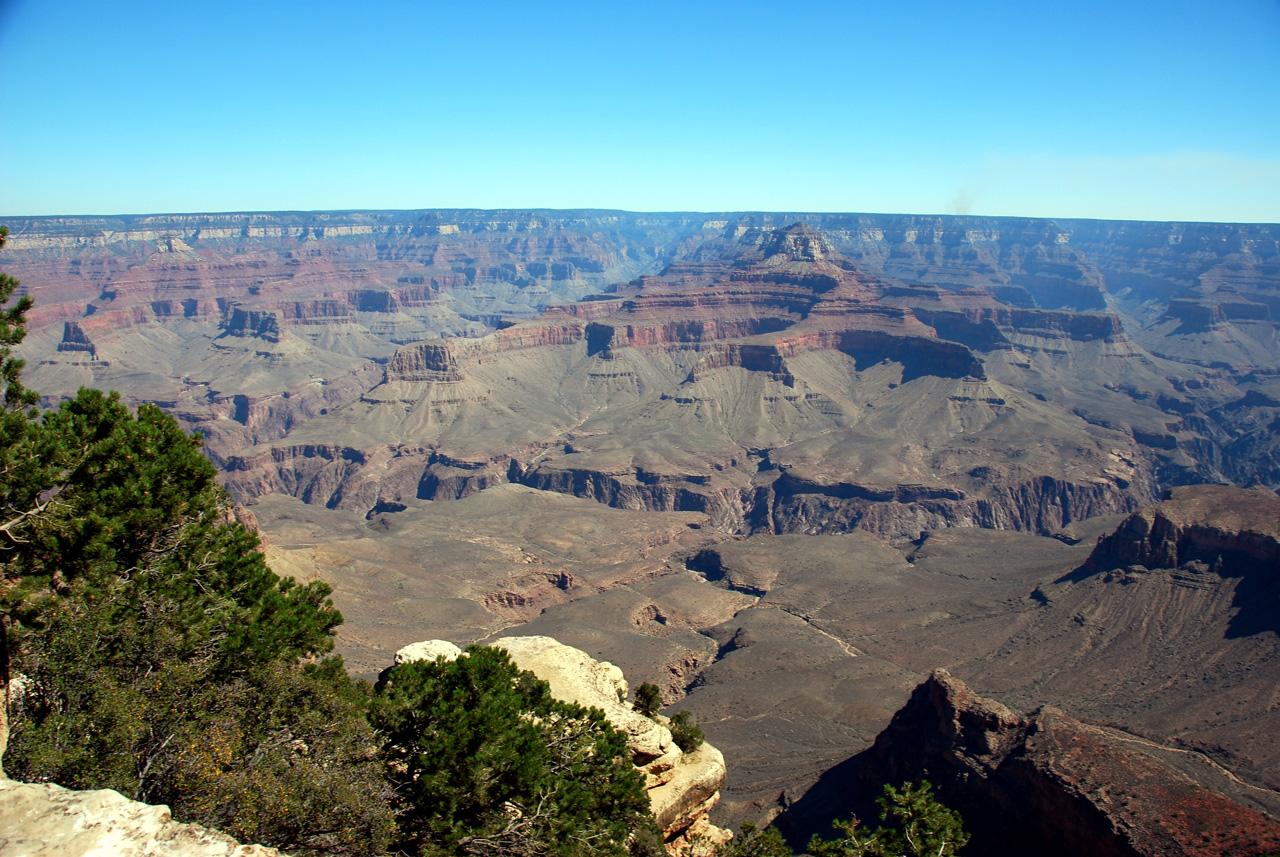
[(1045, 783), (43, 820), (683, 787)]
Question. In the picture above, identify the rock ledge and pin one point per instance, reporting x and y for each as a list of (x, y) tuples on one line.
[(44, 820)]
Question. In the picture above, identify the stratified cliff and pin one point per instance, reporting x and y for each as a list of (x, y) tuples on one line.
[(772, 385), (1231, 530)]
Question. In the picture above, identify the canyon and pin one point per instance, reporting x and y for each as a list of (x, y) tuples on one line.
[(783, 465)]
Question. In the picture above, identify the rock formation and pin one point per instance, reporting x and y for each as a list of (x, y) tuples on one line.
[(1223, 526), (774, 386), (1152, 343), (682, 787), (44, 820), (1046, 783)]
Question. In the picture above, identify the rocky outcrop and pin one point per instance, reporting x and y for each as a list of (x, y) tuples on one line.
[(784, 501), (428, 361), (260, 324), (322, 312), (988, 328), (1226, 527), (446, 360), (1045, 783), (44, 820), (75, 339), (683, 787), (427, 650)]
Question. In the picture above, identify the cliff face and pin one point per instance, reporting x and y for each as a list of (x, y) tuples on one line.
[(446, 360), (773, 385), (1223, 526), (261, 324), (1045, 783)]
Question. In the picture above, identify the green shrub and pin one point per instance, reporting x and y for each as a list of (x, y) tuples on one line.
[(916, 825), (686, 731), (648, 699), (755, 843), (162, 657)]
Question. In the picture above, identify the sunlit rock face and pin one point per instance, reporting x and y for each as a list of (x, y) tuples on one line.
[(44, 820)]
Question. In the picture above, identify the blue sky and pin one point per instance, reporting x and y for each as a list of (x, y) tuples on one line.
[(1136, 110)]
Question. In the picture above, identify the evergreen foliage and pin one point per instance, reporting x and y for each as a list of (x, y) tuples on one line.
[(684, 725), (916, 825), (754, 842), (158, 653), (648, 699), (160, 656), (485, 761), (163, 658), (17, 407), (686, 731)]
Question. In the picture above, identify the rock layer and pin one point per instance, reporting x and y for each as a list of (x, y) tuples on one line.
[(770, 385), (1155, 342), (43, 820), (1215, 523)]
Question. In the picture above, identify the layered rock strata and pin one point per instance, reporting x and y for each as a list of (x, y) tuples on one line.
[(251, 326), (773, 386), (1218, 524)]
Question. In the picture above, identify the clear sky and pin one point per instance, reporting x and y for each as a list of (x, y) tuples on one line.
[(1140, 110)]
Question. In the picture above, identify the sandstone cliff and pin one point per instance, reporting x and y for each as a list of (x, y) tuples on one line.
[(683, 787)]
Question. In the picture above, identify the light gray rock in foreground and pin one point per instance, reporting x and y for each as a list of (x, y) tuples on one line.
[(428, 650), (44, 820)]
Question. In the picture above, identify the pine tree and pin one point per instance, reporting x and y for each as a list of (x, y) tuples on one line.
[(17, 414), (916, 825), (486, 761), (648, 699)]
